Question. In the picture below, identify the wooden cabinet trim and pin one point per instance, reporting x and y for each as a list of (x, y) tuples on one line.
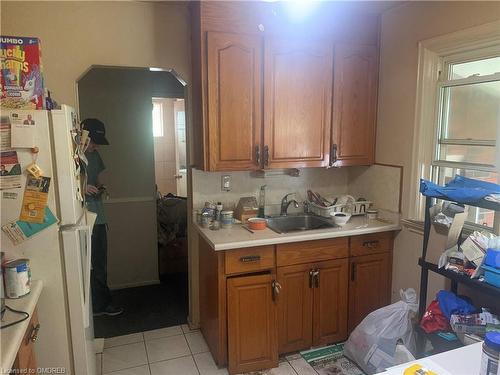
[(312, 251)]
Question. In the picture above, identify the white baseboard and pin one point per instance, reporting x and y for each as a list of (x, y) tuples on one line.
[(132, 285)]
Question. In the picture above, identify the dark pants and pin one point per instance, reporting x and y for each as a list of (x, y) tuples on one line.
[(101, 297)]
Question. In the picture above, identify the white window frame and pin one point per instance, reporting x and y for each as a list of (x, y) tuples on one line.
[(433, 54)]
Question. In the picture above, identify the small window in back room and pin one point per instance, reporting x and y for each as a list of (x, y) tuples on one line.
[(157, 119)]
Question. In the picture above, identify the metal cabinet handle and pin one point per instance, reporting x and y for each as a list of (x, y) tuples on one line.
[(257, 154), (353, 271), (314, 278), (333, 155), (371, 244), (266, 155), (276, 289), (250, 258), (33, 336)]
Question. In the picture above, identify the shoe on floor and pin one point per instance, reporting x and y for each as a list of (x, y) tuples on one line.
[(110, 310)]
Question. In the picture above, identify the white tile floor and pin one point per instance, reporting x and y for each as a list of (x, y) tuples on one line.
[(174, 351)]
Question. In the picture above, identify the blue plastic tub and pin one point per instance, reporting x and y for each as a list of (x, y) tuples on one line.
[(492, 275)]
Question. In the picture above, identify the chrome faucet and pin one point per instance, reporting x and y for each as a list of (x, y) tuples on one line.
[(285, 203)]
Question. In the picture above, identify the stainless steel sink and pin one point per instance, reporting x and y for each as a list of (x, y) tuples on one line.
[(295, 223)]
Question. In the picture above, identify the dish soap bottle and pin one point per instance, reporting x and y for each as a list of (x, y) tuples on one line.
[(262, 201)]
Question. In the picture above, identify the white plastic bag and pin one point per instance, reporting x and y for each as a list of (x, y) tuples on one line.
[(372, 344)]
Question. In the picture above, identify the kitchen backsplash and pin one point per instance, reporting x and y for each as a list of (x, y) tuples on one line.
[(377, 183), (327, 182)]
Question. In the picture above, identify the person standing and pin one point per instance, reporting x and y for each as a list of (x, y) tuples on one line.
[(101, 296)]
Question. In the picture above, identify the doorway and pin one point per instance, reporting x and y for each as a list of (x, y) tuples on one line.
[(145, 176)]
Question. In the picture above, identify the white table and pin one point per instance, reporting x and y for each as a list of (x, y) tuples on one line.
[(461, 361)]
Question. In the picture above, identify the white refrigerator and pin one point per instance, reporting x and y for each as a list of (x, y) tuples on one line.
[(60, 255)]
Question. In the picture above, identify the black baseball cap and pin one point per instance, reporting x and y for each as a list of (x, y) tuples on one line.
[(96, 130)]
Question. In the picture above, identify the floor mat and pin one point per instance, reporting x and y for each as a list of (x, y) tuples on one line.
[(146, 308), (330, 360)]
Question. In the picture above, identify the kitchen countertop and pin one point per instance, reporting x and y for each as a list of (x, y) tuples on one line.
[(12, 337), (237, 237)]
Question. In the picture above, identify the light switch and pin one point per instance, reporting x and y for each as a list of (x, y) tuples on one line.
[(226, 183)]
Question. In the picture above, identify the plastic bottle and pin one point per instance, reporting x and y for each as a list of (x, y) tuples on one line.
[(491, 354), (262, 201)]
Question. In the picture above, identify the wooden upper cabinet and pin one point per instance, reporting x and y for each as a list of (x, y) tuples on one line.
[(234, 82), (369, 286), (251, 324), (330, 302), (354, 105), (297, 102)]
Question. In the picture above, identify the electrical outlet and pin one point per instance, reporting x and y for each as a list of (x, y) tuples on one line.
[(226, 183)]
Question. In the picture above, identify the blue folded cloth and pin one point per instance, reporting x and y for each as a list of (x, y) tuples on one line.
[(449, 303), (460, 189)]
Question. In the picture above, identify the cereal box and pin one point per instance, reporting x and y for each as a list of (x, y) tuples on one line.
[(20, 74)]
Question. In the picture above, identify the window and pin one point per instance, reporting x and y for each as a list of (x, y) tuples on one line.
[(180, 123), (468, 123), (157, 119)]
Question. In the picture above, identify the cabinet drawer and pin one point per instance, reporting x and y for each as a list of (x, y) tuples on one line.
[(25, 355), (250, 259), (371, 243), (312, 251)]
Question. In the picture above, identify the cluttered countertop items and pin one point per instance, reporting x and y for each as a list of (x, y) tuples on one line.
[(246, 225), (11, 337)]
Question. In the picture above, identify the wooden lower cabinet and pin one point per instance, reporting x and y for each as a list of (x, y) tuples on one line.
[(251, 323), (312, 308), (330, 302), (369, 285), (295, 308), (258, 302), (25, 362)]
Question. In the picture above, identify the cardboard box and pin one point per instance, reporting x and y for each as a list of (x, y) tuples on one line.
[(441, 237), (21, 80)]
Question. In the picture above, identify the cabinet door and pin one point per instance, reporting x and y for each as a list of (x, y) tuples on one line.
[(369, 287), (354, 105), (330, 302), (251, 324), (295, 308), (297, 103), (234, 100)]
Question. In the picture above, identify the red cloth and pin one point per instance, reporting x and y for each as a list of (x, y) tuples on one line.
[(434, 320)]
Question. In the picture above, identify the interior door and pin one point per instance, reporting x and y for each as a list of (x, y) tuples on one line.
[(295, 308), (354, 105), (234, 101), (251, 324), (330, 302), (180, 148), (369, 286), (297, 102)]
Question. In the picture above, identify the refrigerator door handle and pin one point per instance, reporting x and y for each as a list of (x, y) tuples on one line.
[(85, 265)]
